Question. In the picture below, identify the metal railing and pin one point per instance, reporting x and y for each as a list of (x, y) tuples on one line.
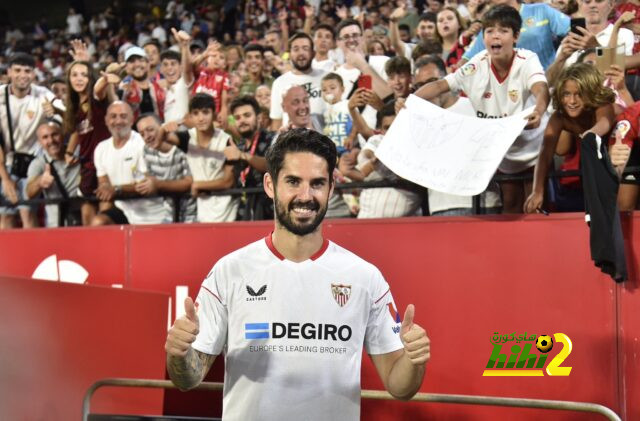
[(379, 395), (239, 191)]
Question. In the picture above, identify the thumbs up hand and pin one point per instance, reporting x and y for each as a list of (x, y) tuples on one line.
[(417, 345), (47, 108), (46, 179), (619, 153), (184, 331)]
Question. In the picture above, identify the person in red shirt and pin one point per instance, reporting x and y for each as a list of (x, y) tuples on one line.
[(213, 79)]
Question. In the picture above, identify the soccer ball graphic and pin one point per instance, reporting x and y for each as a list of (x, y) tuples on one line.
[(544, 343)]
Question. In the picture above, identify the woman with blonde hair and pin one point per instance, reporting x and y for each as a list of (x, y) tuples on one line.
[(583, 105)]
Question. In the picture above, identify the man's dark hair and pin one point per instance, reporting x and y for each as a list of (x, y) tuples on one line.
[(428, 17), (268, 48), (245, 100), (22, 59), (273, 31), (202, 101), (299, 35), (503, 15), (170, 55), (326, 27), (404, 27), (57, 80), (387, 110), (426, 47), (145, 115), (347, 22), (431, 59), (333, 76), (152, 41), (301, 140), (254, 47), (397, 65)]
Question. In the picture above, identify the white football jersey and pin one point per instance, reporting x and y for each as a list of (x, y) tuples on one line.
[(293, 333), (492, 97)]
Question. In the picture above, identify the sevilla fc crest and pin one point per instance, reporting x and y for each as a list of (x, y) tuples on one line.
[(341, 293), (513, 95)]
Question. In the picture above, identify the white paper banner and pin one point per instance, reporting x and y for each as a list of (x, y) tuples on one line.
[(445, 151)]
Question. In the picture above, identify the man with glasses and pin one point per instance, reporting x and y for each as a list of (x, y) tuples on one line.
[(350, 41), (303, 74)]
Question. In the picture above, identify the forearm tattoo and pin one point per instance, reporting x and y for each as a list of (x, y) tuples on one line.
[(188, 371)]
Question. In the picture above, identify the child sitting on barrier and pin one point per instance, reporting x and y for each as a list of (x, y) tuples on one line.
[(583, 104)]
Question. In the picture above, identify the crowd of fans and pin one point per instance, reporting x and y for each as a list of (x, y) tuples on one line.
[(146, 116)]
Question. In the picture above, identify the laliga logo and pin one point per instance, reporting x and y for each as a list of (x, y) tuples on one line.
[(501, 364), (52, 269)]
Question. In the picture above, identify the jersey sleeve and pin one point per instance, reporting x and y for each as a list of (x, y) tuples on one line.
[(383, 326), (461, 78), (476, 47), (534, 71), (212, 314), (98, 160), (627, 126)]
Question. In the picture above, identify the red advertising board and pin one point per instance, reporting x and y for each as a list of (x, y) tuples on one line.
[(469, 279)]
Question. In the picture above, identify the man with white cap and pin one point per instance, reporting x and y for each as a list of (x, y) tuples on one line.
[(143, 95)]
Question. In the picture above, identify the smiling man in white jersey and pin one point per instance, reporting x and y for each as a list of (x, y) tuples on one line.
[(293, 323)]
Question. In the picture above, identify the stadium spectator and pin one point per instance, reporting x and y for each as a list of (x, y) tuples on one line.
[(263, 96), (152, 49), (248, 158), (337, 120), (398, 71), (141, 93), (302, 74), (583, 105), (213, 79), (297, 257), (50, 176), (363, 165), (120, 165), (295, 104), (254, 61), (496, 71), (326, 58), (426, 30), (23, 107), (209, 168), (84, 123), (168, 172), (349, 35), (178, 74), (544, 25)]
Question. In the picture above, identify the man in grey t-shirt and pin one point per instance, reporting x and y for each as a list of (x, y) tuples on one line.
[(50, 175)]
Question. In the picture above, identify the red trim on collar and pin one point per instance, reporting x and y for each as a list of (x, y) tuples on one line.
[(269, 240), (273, 248), (317, 254), (495, 72)]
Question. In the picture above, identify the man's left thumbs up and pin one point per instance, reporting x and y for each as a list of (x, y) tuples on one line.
[(417, 345)]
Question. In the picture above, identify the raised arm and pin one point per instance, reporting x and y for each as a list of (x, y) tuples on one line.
[(394, 32), (380, 87), (433, 89), (183, 39)]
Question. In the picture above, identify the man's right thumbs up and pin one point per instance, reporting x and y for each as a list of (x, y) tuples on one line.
[(190, 311), (183, 332), (46, 179)]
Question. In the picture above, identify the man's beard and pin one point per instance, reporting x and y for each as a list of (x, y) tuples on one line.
[(141, 78), (304, 67), (284, 217), (248, 133)]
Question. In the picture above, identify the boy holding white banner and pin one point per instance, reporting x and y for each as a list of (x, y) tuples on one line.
[(500, 82)]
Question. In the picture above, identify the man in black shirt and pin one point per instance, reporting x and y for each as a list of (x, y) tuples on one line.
[(247, 154)]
